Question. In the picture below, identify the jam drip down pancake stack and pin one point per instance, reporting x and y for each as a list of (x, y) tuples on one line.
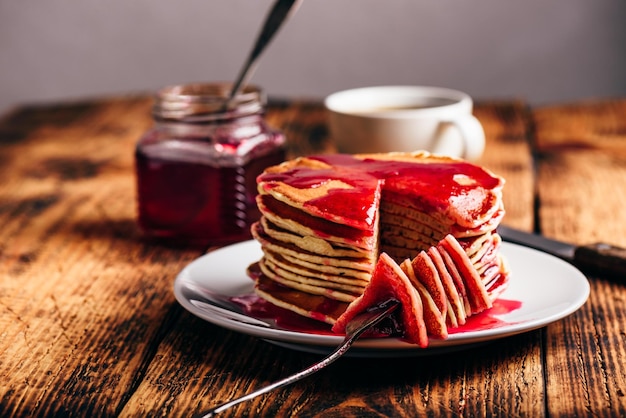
[(326, 220)]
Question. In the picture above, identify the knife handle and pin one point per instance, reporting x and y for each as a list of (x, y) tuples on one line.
[(601, 258)]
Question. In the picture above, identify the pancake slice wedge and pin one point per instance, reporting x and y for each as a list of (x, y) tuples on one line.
[(390, 282)]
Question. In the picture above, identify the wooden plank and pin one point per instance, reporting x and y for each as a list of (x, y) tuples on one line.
[(581, 152), (83, 301), (304, 124), (508, 131)]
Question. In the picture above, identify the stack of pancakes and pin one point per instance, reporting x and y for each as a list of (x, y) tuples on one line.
[(326, 219)]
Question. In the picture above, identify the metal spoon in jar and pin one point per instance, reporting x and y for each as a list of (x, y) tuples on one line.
[(359, 324), (281, 11)]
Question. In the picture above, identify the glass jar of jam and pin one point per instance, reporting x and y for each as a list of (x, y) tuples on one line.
[(197, 167)]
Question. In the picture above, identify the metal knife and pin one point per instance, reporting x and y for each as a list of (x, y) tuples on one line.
[(600, 258)]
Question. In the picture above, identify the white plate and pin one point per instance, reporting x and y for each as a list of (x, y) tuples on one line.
[(547, 289)]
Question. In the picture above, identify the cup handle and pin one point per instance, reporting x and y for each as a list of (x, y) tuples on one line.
[(472, 133)]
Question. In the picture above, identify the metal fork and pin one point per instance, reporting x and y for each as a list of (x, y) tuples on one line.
[(359, 324)]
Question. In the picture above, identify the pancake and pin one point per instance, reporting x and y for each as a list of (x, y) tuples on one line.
[(359, 267), (309, 243), (334, 276), (300, 283), (326, 220)]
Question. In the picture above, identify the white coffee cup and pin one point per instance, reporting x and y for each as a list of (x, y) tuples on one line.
[(405, 119)]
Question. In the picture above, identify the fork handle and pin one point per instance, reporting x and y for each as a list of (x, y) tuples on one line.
[(355, 328), (338, 352)]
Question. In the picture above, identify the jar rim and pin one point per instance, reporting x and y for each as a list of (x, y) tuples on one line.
[(202, 102)]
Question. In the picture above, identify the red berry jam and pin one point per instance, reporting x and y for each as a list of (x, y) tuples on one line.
[(196, 170)]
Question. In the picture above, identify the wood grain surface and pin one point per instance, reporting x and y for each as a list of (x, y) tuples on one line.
[(581, 186), (89, 325)]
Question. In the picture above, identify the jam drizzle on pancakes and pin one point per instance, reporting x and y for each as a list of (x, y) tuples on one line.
[(442, 182)]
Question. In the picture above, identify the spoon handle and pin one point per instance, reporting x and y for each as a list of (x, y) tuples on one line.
[(276, 17), (357, 326)]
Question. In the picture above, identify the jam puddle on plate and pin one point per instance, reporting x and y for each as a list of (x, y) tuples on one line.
[(259, 308)]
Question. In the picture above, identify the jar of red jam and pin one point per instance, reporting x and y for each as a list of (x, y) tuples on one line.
[(197, 167)]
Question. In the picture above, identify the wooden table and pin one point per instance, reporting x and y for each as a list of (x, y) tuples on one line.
[(89, 325)]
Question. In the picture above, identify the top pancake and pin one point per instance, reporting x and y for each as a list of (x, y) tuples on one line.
[(347, 189)]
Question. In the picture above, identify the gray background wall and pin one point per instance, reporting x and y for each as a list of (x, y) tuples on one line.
[(541, 50)]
